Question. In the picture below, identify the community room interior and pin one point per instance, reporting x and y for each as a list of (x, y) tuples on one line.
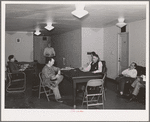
[(73, 45), (73, 37)]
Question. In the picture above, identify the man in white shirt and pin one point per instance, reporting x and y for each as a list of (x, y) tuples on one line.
[(127, 75), (49, 52)]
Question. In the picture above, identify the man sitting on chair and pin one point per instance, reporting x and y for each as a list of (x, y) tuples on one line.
[(52, 77), (95, 66), (128, 74), (13, 65)]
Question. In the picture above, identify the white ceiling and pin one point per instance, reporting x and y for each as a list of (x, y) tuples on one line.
[(25, 17)]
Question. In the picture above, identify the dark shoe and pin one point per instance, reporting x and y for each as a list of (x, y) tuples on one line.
[(127, 95), (59, 100), (132, 98)]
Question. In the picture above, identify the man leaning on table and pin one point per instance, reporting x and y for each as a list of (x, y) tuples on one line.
[(95, 66)]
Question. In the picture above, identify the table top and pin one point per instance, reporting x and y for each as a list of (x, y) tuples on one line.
[(77, 73)]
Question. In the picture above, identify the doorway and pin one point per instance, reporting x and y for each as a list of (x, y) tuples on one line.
[(123, 51)]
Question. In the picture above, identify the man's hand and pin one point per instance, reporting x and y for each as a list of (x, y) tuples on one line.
[(53, 78), (126, 75), (21, 69), (93, 72), (81, 68), (59, 72)]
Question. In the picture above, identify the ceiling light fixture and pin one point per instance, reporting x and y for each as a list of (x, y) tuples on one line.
[(121, 22), (80, 12), (49, 26), (37, 32)]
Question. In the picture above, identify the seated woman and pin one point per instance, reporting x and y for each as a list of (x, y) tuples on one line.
[(136, 85), (127, 75), (95, 66)]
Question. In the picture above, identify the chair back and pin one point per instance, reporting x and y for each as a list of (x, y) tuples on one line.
[(40, 76), (7, 67), (41, 79), (141, 70), (104, 68)]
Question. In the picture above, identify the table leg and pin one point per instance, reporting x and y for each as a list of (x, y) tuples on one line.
[(74, 94)]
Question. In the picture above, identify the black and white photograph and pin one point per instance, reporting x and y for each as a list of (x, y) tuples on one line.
[(74, 60)]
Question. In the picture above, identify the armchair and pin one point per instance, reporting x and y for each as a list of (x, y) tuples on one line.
[(16, 82), (140, 71)]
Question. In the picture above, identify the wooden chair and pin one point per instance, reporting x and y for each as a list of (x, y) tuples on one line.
[(44, 88)]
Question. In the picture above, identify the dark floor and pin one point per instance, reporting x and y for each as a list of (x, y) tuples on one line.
[(29, 99)]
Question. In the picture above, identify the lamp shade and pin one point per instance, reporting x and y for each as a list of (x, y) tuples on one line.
[(49, 26), (120, 25), (37, 32), (121, 22), (79, 12)]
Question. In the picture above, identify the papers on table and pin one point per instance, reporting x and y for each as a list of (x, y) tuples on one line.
[(24, 67), (67, 68)]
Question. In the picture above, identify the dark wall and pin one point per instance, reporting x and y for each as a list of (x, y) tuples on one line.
[(68, 46)]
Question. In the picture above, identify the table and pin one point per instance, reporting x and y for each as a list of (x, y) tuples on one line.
[(76, 76)]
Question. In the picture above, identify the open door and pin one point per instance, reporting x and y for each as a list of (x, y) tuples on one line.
[(123, 51)]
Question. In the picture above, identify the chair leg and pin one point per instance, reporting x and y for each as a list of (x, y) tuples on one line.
[(39, 91), (103, 100), (47, 95), (87, 101), (104, 95), (83, 99)]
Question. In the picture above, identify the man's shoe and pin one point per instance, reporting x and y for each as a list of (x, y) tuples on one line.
[(132, 98), (59, 100)]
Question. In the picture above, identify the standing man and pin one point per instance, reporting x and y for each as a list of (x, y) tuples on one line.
[(49, 52)]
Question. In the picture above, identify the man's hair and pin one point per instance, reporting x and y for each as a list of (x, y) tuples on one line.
[(48, 60), (96, 56), (93, 53), (135, 65), (10, 57)]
